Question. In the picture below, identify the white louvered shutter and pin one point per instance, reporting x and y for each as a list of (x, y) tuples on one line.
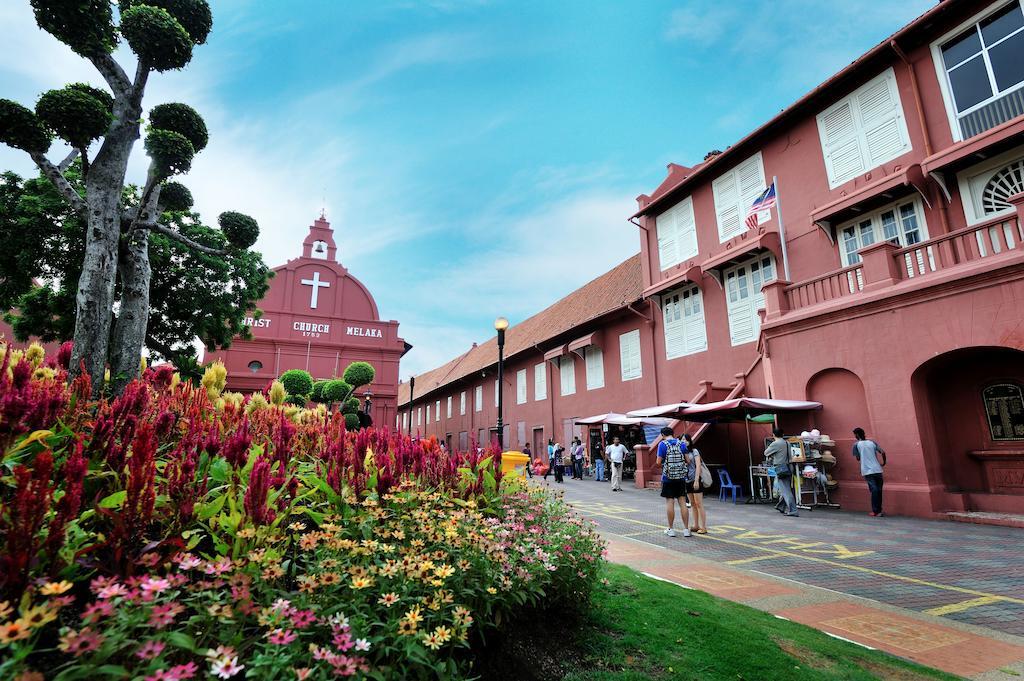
[(751, 183), (668, 244), (675, 327), (567, 374), (495, 392), (521, 387), (595, 368), (478, 398), (695, 333), (841, 143), (881, 115), (540, 382), (740, 305), (686, 230), (462, 403), (727, 211), (629, 355), (437, 411), (449, 410)]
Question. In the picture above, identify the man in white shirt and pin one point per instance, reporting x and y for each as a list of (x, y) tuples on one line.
[(616, 453)]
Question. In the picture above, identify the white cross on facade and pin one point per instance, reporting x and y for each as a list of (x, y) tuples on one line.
[(316, 284)]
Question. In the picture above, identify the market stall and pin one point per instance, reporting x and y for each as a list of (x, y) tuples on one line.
[(629, 430)]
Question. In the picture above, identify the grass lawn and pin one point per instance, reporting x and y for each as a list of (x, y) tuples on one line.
[(641, 628)]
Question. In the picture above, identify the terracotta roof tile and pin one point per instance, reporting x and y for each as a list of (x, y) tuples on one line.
[(611, 291)]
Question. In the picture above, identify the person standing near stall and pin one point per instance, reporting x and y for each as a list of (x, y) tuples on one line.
[(777, 454), (616, 453), (577, 459), (676, 474), (867, 452), (598, 457), (558, 462), (695, 492)]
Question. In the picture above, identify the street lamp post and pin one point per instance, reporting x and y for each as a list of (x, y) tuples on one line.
[(412, 387), (500, 324)]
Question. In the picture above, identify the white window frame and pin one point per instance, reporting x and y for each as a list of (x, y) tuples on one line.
[(878, 228), (449, 409), (860, 136), (496, 392), (730, 195), (594, 361), (682, 311), (755, 295), (940, 68), (567, 375), (677, 234), (478, 398), (419, 416), (629, 370), (405, 420), (428, 413), (521, 386), (462, 403), (437, 411), (540, 382), (972, 182)]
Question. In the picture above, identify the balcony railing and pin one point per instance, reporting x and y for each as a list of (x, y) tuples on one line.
[(885, 264)]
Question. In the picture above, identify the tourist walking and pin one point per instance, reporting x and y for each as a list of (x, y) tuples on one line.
[(676, 471), (696, 490), (551, 460), (529, 459), (598, 457), (558, 462), (868, 452), (577, 459), (777, 454), (616, 453)]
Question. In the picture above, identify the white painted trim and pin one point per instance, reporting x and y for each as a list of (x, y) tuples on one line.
[(963, 180), (912, 198)]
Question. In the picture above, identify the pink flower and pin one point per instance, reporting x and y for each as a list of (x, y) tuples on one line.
[(79, 643), (187, 561), (281, 637), (164, 615), (344, 665), (362, 645), (220, 652), (303, 618), (94, 611), (226, 667), (219, 567), (302, 673), (149, 650), (112, 591), (155, 585)]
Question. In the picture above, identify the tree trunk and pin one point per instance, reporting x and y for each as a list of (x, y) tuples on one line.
[(133, 314), (95, 298)]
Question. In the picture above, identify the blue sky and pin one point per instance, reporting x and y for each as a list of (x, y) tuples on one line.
[(475, 157)]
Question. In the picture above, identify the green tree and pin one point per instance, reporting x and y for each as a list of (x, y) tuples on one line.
[(116, 266), (192, 294), (297, 383)]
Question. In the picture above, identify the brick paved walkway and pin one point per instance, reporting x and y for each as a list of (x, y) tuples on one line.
[(921, 589)]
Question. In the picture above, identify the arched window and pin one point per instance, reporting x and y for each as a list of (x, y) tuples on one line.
[(1004, 408), (1007, 181), (255, 366)]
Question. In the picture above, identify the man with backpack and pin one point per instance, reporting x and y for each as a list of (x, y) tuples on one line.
[(677, 474)]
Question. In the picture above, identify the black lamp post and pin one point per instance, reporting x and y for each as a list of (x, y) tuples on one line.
[(412, 387), (500, 324), (367, 403)]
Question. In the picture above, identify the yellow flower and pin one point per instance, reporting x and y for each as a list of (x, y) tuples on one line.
[(5, 609), (13, 631), (38, 616), (405, 628), (388, 599), (35, 354), (214, 379), (444, 634), (444, 571), (432, 641), (277, 393), (491, 590), (414, 615), (55, 588)]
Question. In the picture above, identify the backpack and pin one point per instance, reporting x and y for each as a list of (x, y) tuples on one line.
[(675, 461)]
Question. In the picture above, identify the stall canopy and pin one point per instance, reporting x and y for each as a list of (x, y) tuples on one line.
[(616, 419), (671, 410), (743, 408)]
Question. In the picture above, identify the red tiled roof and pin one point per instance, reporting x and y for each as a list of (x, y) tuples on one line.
[(611, 291)]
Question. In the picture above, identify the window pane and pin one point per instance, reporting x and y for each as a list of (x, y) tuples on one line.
[(889, 225), (1008, 62), (970, 84), (911, 232), (961, 47), (1002, 24), (867, 233), (766, 268)]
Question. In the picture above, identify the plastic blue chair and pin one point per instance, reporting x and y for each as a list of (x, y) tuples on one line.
[(726, 483)]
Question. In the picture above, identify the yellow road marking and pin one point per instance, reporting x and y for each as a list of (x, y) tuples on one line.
[(740, 561), (847, 566), (962, 605)]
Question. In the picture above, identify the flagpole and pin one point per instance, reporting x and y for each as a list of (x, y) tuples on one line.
[(782, 228)]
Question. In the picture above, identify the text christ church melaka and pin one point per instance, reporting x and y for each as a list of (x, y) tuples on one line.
[(317, 317)]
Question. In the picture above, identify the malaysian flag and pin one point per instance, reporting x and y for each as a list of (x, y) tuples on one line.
[(764, 201)]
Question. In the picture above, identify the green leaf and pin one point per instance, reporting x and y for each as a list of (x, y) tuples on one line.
[(115, 500), (182, 640), (211, 508)]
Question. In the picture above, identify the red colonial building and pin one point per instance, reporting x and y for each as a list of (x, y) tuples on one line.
[(317, 317), (890, 288)]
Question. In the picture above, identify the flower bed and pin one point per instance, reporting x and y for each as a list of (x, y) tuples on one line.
[(179, 531)]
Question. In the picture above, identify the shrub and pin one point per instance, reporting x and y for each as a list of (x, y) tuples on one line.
[(352, 421), (317, 394), (297, 382), (359, 374), (336, 390), (351, 406)]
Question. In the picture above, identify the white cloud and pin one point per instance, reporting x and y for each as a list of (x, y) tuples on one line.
[(702, 25)]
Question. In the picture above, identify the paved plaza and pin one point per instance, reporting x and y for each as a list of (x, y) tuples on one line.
[(922, 589)]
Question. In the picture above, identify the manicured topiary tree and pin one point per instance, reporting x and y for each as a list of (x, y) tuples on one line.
[(297, 400), (351, 406), (162, 34), (352, 421), (336, 390), (317, 394), (297, 383), (359, 374)]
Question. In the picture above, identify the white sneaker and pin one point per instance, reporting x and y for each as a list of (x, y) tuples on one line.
[(670, 532), (686, 532)]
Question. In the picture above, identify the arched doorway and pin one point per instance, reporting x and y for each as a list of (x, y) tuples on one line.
[(845, 407), (971, 417)]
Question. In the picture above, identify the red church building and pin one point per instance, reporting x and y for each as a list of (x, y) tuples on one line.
[(887, 283), (317, 317)]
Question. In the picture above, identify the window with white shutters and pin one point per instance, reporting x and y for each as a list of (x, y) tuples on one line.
[(521, 386), (744, 297), (863, 130), (677, 234), (419, 416), (683, 312), (629, 355), (428, 414), (478, 398), (495, 392), (449, 409), (437, 411), (734, 193), (405, 420), (462, 403), (540, 381), (567, 373), (901, 223), (595, 367)]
